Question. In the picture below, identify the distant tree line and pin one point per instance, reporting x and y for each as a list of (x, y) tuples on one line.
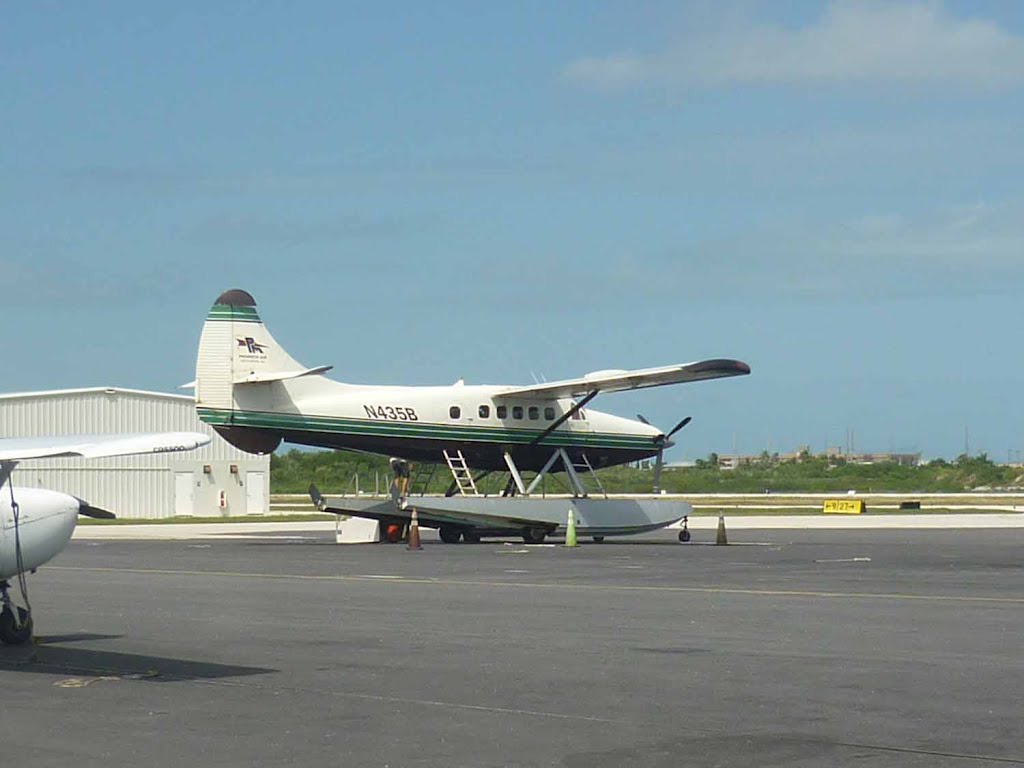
[(347, 471)]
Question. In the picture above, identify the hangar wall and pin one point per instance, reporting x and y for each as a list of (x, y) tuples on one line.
[(217, 480)]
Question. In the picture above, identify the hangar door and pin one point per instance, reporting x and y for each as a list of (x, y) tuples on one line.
[(184, 494), (255, 496)]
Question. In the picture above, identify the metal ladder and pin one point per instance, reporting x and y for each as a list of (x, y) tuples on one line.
[(584, 468), (460, 473)]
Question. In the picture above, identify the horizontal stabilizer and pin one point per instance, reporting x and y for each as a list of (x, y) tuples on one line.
[(263, 377)]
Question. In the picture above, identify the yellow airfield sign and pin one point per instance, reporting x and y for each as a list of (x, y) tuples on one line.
[(843, 506)]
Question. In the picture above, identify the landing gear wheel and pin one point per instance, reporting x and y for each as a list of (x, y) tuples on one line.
[(684, 536), (534, 535), (11, 635), (449, 534), (471, 536), (598, 539)]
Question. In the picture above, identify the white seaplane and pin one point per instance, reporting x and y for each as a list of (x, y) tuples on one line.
[(36, 524), (256, 396)]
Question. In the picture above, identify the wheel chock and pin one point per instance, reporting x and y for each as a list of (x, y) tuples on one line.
[(570, 530), (721, 538), (414, 533)]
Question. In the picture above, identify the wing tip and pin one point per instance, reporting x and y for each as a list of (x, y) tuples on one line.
[(722, 367)]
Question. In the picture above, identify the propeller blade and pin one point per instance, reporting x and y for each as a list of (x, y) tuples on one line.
[(641, 418), (657, 470), (88, 510), (679, 426), (665, 442)]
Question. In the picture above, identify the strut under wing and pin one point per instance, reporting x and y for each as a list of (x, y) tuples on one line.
[(640, 378)]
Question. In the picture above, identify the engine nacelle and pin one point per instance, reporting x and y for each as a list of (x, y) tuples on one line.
[(46, 521)]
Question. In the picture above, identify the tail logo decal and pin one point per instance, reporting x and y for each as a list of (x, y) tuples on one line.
[(252, 346)]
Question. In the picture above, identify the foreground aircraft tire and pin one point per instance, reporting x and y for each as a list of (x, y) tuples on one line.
[(449, 534), (471, 536), (684, 536), (11, 636), (534, 535)]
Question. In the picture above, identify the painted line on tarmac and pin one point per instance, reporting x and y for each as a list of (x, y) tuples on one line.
[(936, 753), (420, 702), (367, 579)]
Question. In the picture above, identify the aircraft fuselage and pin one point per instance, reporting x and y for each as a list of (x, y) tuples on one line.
[(418, 423)]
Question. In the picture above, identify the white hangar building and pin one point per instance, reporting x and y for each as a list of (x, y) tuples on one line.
[(217, 480)]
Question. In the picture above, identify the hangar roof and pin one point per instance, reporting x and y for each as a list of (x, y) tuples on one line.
[(92, 391)]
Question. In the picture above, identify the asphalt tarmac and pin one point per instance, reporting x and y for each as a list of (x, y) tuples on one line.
[(786, 648)]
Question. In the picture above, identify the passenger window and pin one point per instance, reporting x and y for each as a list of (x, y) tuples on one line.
[(454, 412), (484, 411), (517, 411), (534, 413), (502, 411), (549, 413)]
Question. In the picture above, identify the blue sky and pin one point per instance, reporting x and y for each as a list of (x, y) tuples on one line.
[(419, 192)]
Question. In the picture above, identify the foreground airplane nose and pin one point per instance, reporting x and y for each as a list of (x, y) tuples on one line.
[(46, 521)]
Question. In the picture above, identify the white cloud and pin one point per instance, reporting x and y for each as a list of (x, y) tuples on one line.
[(852, 42), (981, 242), (967, 251)]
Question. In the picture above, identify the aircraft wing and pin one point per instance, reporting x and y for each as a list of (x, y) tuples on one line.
[(98, 446), (618, 380)]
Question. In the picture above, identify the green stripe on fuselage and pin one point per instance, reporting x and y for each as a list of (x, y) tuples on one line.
[(422, 430)]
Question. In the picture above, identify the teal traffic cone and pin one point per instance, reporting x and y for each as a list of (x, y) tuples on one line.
[(570, 530), (721, 538)]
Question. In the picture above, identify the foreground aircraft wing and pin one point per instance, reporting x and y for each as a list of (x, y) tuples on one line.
[(98, 446), (618, 381)]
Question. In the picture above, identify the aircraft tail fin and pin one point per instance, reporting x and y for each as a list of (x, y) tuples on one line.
[(236, 347), (236, 353)]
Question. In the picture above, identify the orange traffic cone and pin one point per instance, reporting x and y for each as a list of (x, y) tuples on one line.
[(414, 533)]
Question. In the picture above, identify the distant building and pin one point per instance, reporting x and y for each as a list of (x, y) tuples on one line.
[(733, 461), (903, 459), (215, 480)]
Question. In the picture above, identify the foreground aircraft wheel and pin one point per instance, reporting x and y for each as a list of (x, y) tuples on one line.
[(684, 536), (598, 539), (471, 536), (11, 635), (534, 535), (449, 534)]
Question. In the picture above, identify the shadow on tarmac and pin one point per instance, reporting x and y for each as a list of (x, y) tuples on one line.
[(48, 658)]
